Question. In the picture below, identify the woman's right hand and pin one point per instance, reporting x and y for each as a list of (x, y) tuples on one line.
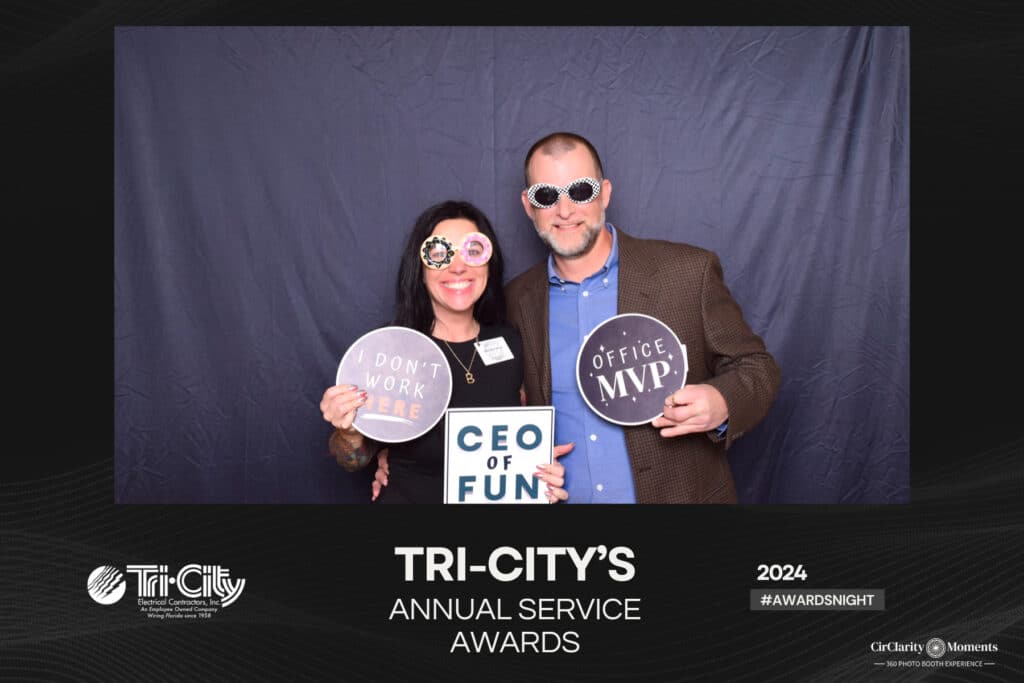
[(339, 406), (346, 444), (380, 478)]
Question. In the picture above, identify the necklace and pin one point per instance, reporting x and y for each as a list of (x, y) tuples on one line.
[(469, 375)]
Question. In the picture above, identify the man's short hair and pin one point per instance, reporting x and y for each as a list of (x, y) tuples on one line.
[(558, 143)]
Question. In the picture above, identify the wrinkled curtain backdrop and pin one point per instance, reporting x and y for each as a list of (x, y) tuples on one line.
[(265, 179)]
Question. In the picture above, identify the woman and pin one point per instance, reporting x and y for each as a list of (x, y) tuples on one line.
[(449, 288)]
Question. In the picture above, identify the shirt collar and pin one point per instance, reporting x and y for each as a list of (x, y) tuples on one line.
[(612, 262)]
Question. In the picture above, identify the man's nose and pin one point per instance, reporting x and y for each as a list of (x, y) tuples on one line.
[(564, 205)]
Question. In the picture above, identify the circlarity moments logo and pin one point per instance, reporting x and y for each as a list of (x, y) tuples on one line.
[(934, 653), (936, 647)]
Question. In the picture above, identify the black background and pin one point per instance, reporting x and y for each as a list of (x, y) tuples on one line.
[(321, 579)]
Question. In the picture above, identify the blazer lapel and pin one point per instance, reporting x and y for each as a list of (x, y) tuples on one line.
[(533, 307), (636, 277)]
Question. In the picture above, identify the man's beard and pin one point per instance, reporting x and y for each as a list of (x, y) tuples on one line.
[(583, 247)]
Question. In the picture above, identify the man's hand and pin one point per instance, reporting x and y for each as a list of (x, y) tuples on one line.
[(692, 409)]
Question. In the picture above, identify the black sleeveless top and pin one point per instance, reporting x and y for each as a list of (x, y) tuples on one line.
[(417, 467)]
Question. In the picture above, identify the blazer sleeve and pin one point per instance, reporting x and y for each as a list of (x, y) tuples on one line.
[(743, 371)]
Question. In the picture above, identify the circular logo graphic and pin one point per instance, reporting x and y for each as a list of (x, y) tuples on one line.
[(407, 381), (936, 647), (106, 585), (626, 367)]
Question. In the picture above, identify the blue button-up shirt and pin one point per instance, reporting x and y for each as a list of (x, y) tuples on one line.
[(597, 469)]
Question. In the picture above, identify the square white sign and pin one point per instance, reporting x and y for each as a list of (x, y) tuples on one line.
[(490, 454)]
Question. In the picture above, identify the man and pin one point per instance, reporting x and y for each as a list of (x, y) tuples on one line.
[(595, 271)]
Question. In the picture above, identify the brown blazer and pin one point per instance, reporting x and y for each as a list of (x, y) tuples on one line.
[(682, 286)]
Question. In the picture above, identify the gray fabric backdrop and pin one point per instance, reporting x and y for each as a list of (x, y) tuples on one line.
[(265, 179)]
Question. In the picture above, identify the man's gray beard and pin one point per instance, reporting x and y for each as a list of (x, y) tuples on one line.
[(589, 238)]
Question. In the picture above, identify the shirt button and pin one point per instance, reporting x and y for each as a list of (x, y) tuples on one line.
[(605, 281), (600, 487), (593, 437), (586, 293)]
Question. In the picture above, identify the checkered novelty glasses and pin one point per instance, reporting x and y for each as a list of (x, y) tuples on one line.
[(438, 251), (581, 191)]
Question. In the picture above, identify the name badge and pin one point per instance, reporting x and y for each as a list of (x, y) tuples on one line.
[(493, 351)]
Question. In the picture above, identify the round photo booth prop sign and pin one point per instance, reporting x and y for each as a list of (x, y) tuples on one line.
[(626, 367), (407, 381)]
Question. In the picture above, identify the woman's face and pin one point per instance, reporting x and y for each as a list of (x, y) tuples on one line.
[(455, 289)]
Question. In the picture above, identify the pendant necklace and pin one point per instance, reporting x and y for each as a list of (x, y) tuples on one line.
[(469, 375)]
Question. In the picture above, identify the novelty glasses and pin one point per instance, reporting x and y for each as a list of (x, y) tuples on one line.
[(581, 191), (437, 251)]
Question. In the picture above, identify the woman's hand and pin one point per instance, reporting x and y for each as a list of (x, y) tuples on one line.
[(380, 477), (554, 475), (346, 444), (339, 406)]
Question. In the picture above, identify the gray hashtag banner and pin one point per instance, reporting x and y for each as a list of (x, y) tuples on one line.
[(817, 599)]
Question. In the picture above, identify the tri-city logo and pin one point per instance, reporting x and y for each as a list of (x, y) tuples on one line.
[(201, 585), (106, 585)]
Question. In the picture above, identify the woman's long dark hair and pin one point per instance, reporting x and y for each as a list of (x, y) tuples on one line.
[(412, 300)]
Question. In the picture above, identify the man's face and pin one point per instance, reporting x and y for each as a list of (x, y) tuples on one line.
[(569, 229)]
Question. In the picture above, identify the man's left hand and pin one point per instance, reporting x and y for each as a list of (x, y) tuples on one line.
[(694, 408)]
